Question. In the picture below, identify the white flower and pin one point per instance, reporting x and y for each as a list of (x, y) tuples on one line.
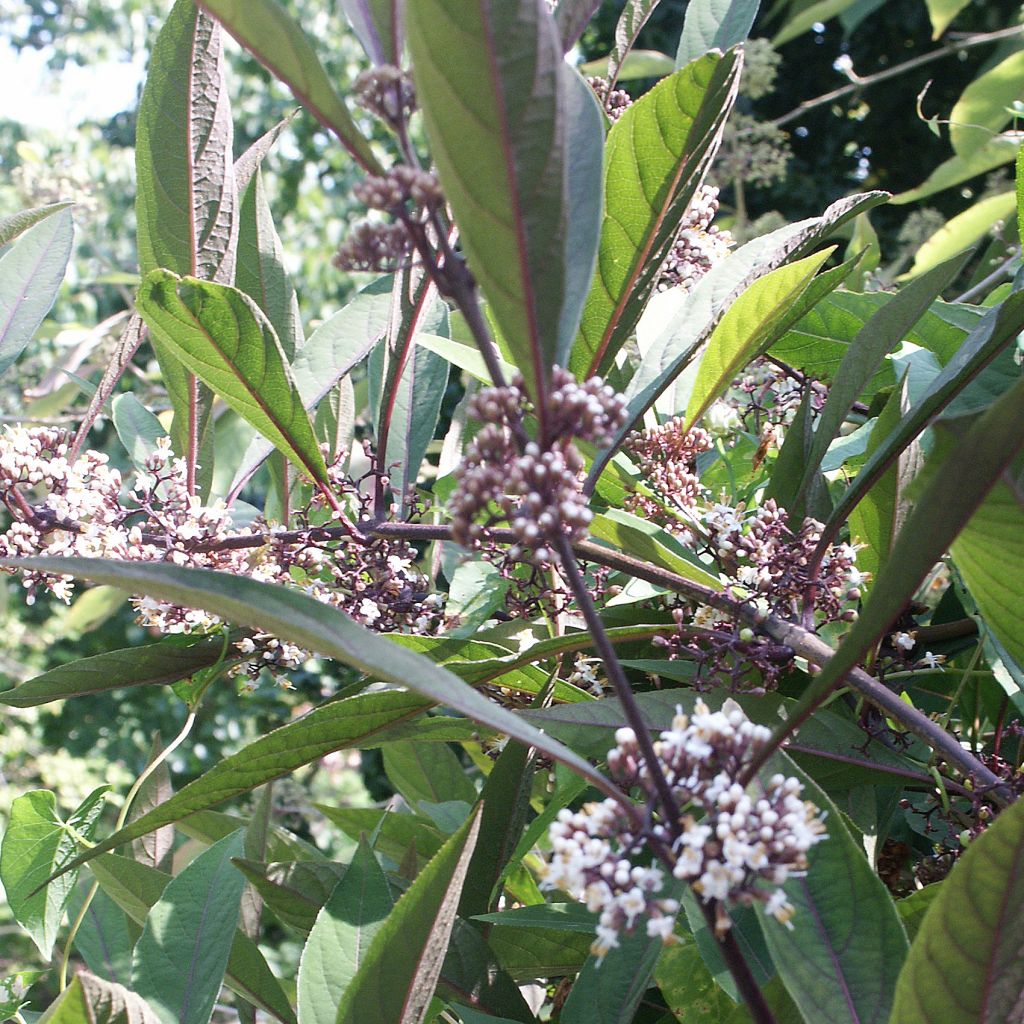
[(903, 641)]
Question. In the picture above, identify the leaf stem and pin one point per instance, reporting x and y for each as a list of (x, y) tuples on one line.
[(734, 959), (122, 817)]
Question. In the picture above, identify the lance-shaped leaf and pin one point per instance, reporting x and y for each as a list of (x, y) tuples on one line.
[(998, 327), (134, 666), (714, 25), (277, 41), (13, 224), (341, 936), (136, 887), (186, 205), (302, 620), (330, 353), (753, 322), (223, 337), (656, 156), (396, 980), (37, 844), (498, 123), (632, 19), (879, 336), (91, 1000), (965, 963), (180, 959), (990, 556), (103, 940), (954, 492), (31, 272), (942, 12)]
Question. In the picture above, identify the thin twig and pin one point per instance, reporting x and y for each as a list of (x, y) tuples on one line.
[(1003, 270), (857, 83)]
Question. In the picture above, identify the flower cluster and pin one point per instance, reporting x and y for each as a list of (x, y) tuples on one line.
[(84, 509), (536, 490), (770, 560), (730, 842), (374, 246), (699, 244), (615, 101)]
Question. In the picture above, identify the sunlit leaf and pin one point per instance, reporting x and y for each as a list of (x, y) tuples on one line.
[(656, 156), (91, 1000), (225, 339), (36, 845), (396, 979), (714, 25)]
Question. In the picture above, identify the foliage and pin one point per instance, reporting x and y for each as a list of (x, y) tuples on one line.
[(607, 612)]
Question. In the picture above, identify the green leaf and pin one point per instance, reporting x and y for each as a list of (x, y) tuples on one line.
[(984, 343), (642, 539), (534, 954), (912, 909), (609, 991), (340, 939), (879, 516), (984, 106), (426, 771), (331, 352), (636, 65), (13, 989), (225, 339), (809, 15), (959, 168), (186, 205), (477, 588), (752, 323), (260, 271), (656, 156), (955, 490), (13, 224), (990, 556), (498, 123), (164, 662), (103, 940), (91, 1000), (632, 19), (36, 844), (843, 953), (1020, 192), (135, 888), (714, 25), (571, 18), (963, 230), (31, 272), (965, 962), (181, 957), (879, 336), (304, 621), (277, 41), (706, 304), (942, 12), (465, 357), (396, 979), (394, 833), (294, 891), (156, 849), (137, 428)]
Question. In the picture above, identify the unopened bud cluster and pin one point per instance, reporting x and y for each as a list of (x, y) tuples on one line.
[(83, 508), (699, 244), (536, 491), (731, 843), (374, 246), (387, 92), (615, 101), (401, 185)]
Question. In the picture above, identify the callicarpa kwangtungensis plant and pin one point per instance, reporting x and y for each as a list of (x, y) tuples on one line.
[(673, 577)]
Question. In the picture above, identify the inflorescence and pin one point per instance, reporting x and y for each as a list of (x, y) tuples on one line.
[(537, 491), (730, 843), (85, 509)]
